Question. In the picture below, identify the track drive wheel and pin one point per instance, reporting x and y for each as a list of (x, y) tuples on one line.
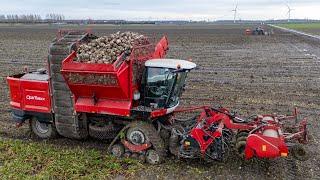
[(142, 132), (43, 130)]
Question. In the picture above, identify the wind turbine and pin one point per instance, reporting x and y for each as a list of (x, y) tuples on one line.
[(289, 12), (235, 13)]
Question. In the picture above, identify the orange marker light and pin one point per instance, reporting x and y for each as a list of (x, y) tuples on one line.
[(264, 148)]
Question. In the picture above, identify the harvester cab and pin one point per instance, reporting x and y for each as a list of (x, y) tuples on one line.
[(163, 83)]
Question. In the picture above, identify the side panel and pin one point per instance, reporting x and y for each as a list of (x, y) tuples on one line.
[(104, 81), (161, 48), (103, 106), (15, 93), (35, 96)]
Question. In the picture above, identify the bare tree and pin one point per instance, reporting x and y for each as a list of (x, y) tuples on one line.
[(31, 18), (2, 18), (53, 18), (23, 18)]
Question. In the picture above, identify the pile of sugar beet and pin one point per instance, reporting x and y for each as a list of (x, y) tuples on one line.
[(107, 49)]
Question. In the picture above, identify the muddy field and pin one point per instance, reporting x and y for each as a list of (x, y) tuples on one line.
[(251, 74)]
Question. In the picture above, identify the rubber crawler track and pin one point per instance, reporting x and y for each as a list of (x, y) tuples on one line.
[(155, 138), (150, 131), (67, 123)]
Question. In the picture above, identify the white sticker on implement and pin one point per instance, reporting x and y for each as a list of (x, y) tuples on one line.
[(37, 98)]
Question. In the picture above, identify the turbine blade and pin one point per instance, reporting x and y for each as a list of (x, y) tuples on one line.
[(288, 6)]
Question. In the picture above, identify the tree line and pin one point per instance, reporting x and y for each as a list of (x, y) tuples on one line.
[(31, 18)]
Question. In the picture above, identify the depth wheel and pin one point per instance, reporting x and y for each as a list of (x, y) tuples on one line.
[(240, 147), (42, 130)]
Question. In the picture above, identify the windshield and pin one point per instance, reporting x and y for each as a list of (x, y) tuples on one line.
[(164, 86), (177, 91)]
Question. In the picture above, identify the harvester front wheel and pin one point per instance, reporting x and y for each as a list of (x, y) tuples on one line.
[(42, 130)]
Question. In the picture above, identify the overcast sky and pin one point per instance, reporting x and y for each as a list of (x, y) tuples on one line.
[(165, 9)]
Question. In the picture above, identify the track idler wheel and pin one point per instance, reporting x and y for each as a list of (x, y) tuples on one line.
[(117, 150), (152, 157)]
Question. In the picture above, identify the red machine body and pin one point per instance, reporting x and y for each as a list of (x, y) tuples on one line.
[(30, 94), (113, 96), (264, 137), (268, 139), (248, 32), (109, 88), (91, 95), (207, 118), (263, 146)]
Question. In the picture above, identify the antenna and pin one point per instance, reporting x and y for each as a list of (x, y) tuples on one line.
[(235, 13), (289, 12)]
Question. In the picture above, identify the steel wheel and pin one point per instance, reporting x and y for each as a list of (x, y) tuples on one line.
[(136, 136), (42, 130)]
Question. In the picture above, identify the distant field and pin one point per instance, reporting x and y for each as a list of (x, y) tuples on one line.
[(313, 28)]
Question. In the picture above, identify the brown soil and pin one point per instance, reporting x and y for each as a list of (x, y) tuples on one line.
[(252, 74)]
